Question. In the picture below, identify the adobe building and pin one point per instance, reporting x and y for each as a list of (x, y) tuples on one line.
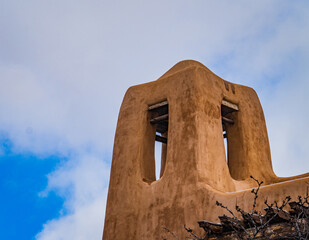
[(190, 110)]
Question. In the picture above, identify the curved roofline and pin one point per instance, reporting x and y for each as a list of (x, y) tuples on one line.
[(185, 64)]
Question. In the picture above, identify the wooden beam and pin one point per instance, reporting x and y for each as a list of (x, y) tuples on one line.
[(161, 139), (157, 105), (159, 119), (227, 120), (230, 105)]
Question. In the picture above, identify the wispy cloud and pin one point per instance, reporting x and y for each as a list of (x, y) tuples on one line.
[(83, 181)]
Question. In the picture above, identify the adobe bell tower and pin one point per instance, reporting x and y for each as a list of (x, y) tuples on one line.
[(191, 112)]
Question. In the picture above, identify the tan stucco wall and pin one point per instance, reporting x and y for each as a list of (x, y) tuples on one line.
[(196, 172)]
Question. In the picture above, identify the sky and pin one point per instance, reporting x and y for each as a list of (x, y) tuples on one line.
[(66, 65)]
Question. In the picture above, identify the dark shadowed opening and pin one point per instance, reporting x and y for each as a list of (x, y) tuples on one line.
[(228, 111), (159, 120)]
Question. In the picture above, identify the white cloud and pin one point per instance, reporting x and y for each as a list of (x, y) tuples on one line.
[(83, 181), (65, 66), (287, 121), (85, 223)]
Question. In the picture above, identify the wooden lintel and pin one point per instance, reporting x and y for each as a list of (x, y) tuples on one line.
[(230, 105), (157, 105), (159, 119)]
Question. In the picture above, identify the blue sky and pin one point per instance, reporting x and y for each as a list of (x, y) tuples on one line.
[(64, 69)]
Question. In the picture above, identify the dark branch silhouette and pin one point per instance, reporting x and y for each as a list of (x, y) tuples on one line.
[(276, 223)]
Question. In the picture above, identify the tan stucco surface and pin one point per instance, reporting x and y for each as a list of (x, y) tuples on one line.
[(196, 173)]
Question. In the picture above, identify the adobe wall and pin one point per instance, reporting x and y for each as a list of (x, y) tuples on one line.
[(196, 172)]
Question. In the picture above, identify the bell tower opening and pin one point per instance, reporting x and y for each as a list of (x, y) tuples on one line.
[(159, 120), (228, 116)]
